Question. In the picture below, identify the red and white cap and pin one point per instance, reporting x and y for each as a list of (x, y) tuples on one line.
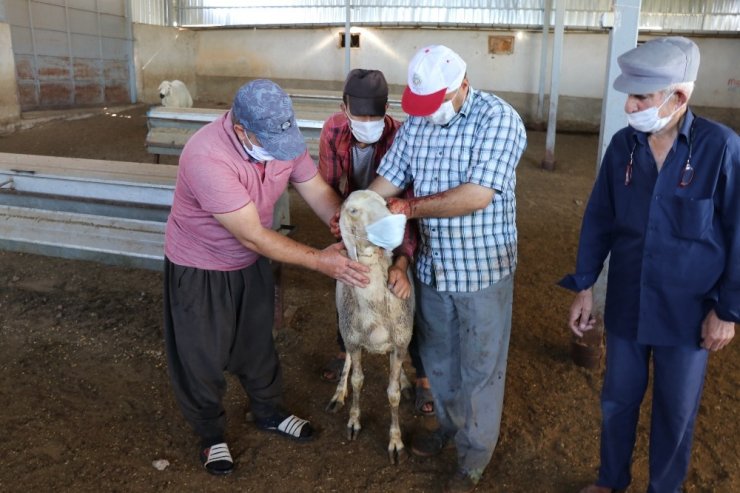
[(433, 72)]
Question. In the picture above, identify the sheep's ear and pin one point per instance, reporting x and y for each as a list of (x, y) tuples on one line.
[(351, 246)]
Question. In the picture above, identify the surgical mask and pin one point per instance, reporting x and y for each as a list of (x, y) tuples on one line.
[(444, 113), (387, 232), (367, 132), (648, 120), (256, 152)]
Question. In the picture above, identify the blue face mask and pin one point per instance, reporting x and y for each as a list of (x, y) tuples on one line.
[(387, 232)]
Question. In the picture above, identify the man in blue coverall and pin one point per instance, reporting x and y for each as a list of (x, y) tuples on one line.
[(666, 206)]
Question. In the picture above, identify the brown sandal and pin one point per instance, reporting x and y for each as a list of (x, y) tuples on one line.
[(424, 398)]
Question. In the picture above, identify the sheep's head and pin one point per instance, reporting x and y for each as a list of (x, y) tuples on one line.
[(362, 208), (164, 89)]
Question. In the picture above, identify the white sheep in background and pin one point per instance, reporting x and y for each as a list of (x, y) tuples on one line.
[(175, 94), (371, 318)]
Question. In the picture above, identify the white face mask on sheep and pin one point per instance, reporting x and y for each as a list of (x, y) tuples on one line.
[(372, 318), (365, 221)]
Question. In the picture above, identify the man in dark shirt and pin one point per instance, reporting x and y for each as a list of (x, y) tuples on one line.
[(666, 207)]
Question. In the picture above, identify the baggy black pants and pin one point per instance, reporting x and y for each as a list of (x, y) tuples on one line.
[(216, 321)]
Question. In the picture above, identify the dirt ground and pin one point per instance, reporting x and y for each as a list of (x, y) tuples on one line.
[(87, 405)]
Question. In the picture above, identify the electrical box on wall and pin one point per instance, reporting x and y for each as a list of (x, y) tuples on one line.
[(501, 45), (354, 40)]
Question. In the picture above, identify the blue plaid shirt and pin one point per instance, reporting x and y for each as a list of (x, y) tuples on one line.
[(482, 145)]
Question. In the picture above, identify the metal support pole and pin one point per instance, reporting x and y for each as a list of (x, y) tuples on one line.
[(544, 52), (624, 20), (548, 162), (172, 13), (347, 38)]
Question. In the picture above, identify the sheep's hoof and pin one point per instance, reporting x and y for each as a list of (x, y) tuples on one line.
[(353, 431), (334, 406), (398, 455)]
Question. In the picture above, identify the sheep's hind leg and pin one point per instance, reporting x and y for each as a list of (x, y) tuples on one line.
[(396, 451), (353, 425), (337, 401)]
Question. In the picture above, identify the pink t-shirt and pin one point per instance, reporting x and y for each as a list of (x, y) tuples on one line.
[(216, 176)]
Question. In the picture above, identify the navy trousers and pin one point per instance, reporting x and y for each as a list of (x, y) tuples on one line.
[(678, 381)]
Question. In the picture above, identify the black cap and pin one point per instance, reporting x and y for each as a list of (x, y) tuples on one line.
[(366, 91)]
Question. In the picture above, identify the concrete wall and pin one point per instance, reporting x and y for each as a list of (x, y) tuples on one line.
[(311, 59), (214, 63), (163, 53), (10, 109)]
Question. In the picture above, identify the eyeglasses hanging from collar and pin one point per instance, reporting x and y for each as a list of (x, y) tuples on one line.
[(687, 174), (628, 171)]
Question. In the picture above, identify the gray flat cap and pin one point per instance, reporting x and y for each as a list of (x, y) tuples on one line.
[(656, 64)]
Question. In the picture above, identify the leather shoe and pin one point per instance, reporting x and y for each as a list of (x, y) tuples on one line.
[(427, 444), (460, 482)]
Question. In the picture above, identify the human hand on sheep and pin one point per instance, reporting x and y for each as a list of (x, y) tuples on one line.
[(334, 226), (398, 282), (334, 262), (399, 206)]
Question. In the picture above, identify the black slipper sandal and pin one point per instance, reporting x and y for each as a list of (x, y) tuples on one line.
[(289, 426), (217, 459)]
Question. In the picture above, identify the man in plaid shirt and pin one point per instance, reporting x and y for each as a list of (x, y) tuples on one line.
[(459, 150), (352, 143)]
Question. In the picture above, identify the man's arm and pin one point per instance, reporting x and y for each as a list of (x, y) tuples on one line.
[(330, 166), (320, 197), (384, 188), (459, 201), (245, 225)]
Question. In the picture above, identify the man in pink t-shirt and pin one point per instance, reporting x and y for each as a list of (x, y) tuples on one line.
[(218, 285)]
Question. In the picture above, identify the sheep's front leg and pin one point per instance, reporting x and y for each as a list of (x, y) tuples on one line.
[(396, 451), (353, 425), (337, 402)]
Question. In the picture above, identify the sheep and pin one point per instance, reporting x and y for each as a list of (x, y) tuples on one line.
[(371, 318), (175, 94)]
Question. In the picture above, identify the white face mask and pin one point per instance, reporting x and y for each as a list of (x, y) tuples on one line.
[(648, 120), (258, 153), (367, 132), (387, 232), (444, 113)]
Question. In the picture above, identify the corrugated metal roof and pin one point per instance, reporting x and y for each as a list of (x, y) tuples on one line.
[(664, 15)]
